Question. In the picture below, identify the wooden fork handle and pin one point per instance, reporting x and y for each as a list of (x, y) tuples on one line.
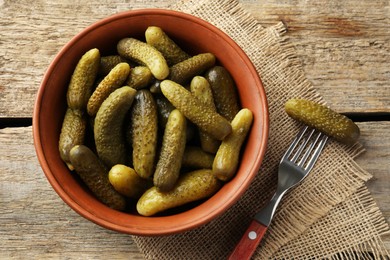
[(249, 241)]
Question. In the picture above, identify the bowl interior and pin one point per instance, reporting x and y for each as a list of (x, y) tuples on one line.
[(193, 35)]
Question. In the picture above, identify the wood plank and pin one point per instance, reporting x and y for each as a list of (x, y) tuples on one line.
[(32, 32), (344, 45), (36, 223), (375, 137)]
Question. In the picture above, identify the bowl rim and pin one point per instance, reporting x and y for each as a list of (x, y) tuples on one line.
[(176, 228)]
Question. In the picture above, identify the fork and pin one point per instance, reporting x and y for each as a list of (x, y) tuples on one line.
[(294, 166)]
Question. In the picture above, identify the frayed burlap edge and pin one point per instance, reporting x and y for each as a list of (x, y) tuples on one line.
[(327, 185), (354, 228), (280, 69)]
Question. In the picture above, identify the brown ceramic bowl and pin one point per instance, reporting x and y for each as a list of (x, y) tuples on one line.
[(193, 35)]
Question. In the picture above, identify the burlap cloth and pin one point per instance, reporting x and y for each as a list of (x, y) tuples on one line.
[(330, 215)]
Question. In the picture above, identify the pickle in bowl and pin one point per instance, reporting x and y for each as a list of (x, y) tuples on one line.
[(161, 138)]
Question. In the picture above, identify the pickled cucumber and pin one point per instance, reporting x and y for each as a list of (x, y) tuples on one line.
[(171, 154), (139, 77), (224, 92), (201, 115), (227, 158), (107, 63), (195, 157), (155, 86), (95, 175), (156, 37), (146, 54), (164, 109), (72, 133), (83, 77), (184, 71), (200, 88), (144, 126), (112, 81), (108, 128), (324, 119), (127, 182), (190, 187)]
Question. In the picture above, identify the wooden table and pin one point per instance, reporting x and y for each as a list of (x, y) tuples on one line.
[(345, 49)]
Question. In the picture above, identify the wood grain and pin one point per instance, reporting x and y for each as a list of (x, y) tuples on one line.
[(32, 32), (344, 45), (37, 224), (345, 52), (375, 138)]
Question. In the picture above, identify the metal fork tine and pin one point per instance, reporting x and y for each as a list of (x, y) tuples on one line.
[(308, 151), (317, 152), (306, 140), (294, 143), (289, 175)]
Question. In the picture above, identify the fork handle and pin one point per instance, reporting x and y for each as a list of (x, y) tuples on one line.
[(249, 241)]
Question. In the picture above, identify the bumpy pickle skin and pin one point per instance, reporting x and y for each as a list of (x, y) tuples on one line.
[(191, 186), (127, 182), (144, 126), (82, 80), (224, 91), (108, 128), (72, 133), (201, 89), (146, 54), (201, 115), (139, 77), (184, 71), (111, 82), (171, 154), (226, 160), (156, 37), (95, 175), (154, 87), (107, 63), (323, 119), (196, 158), (164, 109)]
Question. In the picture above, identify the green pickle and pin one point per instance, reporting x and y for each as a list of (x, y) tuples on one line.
[(144, 126), (226, 160), (107, 63), (127, 182), (196, 158), (146, 54), (196, 111), (95, 175), (139, 77), (83, 77), (191, 186), (156, 37), (201, 89), (111, 82), (152, 124), (109, 123), (184, 71), (72, 133), (224, 92), (164, 109), (323, 119), (171, 154)]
